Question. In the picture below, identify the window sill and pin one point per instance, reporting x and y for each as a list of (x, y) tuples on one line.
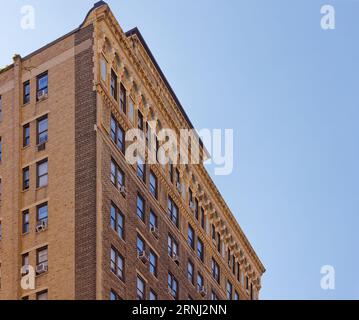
[(25, 104), (42, 187), (41, 274), (25, 191), (26, 147)]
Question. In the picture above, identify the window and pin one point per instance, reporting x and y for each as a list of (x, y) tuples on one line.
[(219, 243), (214, 296), (203, 219), (42, 213), (140, 208), (229, 290), (122, 98), (247, 283), (131, 113), (215, 270), (113, 84), (200, 281), (153, 263), (229, 257), (153, 184), (26, 92), (196, 214), (0, 149), (173, 212), (172, 246), (0, 230), (200, 249), (117, 134), (117, 264), (26, 135), (190, 272), (42, 130), (233, 265), (141, 287), (238, 272), (41, 257), (25, 222), (42, 85), (172, 286), (141, 169), (41, 295), (25, 264), (213, 232), (25, 178), (117, 175), (153, 220), (114, 296), (103, 70), (42, 174), (117, 221), (170, 170), (140, 121), (1, 107), (190, 237), (153, 295), (236, 296), (140, 245), (190, 196)]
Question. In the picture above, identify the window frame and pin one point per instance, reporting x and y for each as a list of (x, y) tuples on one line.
[(26, 96), (117, 269), (153, 188), (38, 133), (142, 295), (200, 253), (171, 280), (38, 177), (25, 225), (191, 241), (117, 222), (45, 88), (171, 209), (123, 98), (114, 85), (142, 211), (38, 208), (26, 135), (26, 180), (153, 265)]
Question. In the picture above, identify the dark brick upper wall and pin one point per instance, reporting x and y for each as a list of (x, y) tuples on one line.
[(85, 171)]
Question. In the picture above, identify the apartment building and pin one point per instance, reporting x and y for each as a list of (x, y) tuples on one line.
[(91, 225)]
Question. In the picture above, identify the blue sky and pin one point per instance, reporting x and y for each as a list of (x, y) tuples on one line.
[(288, 89)]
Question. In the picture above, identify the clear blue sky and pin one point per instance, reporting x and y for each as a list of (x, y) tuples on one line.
[(289, 90)]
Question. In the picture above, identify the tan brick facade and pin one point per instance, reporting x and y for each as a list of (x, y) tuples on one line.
[(79, 192)]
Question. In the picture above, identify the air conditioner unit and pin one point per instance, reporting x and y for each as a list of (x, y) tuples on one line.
[(202, 291), (41, 146), (41, 268), (41, 226), (42, 95), (142, 256), (123, 190), (175, 258), (192, 206), (154, 231)]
